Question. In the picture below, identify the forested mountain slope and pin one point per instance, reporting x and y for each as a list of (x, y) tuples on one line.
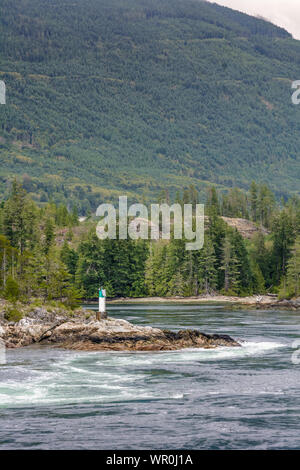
[(109, 96)]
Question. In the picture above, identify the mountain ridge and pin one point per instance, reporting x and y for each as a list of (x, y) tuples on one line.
[(109, 97)]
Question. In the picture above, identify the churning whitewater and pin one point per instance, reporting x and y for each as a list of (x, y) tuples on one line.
[(192, 398)]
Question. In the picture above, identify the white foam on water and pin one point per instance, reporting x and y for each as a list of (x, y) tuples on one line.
[(177, 396), (68, 381), (257, 347), (247, 349), (200, 354)]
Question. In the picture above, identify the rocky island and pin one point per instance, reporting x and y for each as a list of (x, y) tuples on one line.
[(79, 330)]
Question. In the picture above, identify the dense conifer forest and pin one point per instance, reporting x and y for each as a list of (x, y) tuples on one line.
[(46, 253), (135, 96)]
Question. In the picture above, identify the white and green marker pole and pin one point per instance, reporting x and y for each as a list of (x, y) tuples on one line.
[(102, 304)]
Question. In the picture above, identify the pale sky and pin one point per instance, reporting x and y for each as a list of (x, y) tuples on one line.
[(284, 13)]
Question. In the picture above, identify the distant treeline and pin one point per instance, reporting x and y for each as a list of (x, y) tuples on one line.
[(45, 252), (105, 96)]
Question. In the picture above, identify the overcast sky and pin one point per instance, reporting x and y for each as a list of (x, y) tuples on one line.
[(284, 13)]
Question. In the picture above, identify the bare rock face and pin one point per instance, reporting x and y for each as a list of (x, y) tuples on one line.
[(109, 334)]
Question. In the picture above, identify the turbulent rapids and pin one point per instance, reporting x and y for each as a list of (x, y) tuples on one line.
[(246, 397)]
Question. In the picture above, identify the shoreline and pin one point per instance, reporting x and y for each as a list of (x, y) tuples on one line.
[(216, 299), (254, 301), (250, 300)]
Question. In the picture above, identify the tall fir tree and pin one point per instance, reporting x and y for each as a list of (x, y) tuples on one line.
[(208, 277), (290, 286)]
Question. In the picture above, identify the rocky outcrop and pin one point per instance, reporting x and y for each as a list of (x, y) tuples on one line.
[(245, 227), (84, 333), (293, 304), (122, 336)]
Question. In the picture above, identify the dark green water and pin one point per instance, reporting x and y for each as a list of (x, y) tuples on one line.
[(229, 398)]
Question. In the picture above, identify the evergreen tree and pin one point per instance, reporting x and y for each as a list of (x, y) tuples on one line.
[(265, 206), (33, 280), (11, 291), (49, 236), (62, 217), (260, 257), (91, 272), (150, 274), (19, 219), (216, 231), (258, 285), (70, 258), (230, 266), (253, 201), (74, 218), (208, 278), (283, 238), (243, 263), (57, 283), (8, 255), (291, 284), (212, 203), (177, 285)]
